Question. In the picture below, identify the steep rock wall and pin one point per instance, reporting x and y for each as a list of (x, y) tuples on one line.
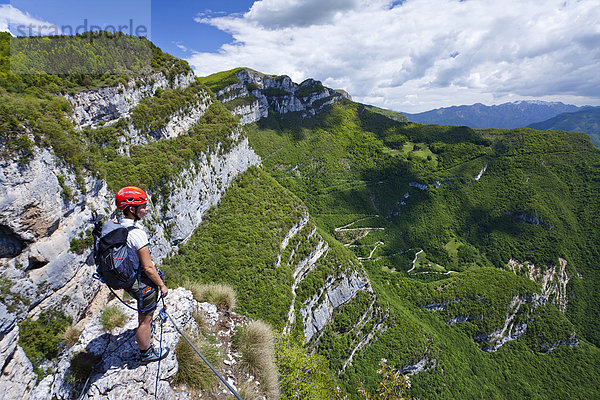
[(39, 220), (194, 191), (109, 103), (279, 94), (337, 290), (319, 310), (553, 280)]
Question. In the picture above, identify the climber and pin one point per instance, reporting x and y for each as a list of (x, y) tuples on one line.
[(134, 202)]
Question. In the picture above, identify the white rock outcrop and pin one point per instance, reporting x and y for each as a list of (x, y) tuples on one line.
[(17, 377), (553, 280), (319, 309), (181, 121), (110, 103), (277, 93)]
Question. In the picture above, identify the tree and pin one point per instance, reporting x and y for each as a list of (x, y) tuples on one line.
[(392, 386)]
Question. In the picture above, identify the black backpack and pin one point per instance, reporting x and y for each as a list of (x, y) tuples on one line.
[(111, 255)]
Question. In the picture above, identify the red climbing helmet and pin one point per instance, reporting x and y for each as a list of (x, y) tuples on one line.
[(130, 196)]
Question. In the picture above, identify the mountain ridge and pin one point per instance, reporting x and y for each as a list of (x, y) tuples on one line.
[(586, 120), (361, 175), (502, 116)]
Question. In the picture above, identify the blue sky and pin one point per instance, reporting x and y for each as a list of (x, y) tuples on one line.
[(173, 23), (410, 55), (169, 22)]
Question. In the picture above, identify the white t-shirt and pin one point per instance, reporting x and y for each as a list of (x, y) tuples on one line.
[(136, 239)]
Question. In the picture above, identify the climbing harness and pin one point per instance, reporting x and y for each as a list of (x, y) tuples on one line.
[(98, 277)]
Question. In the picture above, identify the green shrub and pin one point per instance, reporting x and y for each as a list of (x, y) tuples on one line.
[(40, 339), (392, 386), (66, 190), (302, 375), (80, 244)]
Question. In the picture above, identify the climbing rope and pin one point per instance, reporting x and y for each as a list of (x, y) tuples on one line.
[(163, 318)]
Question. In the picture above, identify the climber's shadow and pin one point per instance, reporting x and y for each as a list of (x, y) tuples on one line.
[(103, 354), (109, 352)]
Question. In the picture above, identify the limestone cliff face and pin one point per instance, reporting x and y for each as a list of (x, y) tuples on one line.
[(313, 313), (277, 93), (553, 280), (111, 103), (39, 219), (195, 190)]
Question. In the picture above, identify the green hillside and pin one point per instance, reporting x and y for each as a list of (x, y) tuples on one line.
[(587, 121), (353, 168), (34, 113)]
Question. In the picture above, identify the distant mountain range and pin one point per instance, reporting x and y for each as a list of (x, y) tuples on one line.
[(508, 115), (587, 120), (539, 115)]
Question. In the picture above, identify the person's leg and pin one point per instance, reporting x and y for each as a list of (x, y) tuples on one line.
[(147, 296), (143, 332), (147, 352)]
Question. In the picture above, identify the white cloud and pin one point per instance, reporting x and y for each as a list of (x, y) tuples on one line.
[(280, 13), (19, 23), (421, 54), (181, 46)]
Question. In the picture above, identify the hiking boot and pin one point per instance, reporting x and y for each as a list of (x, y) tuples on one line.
[(153, 354)]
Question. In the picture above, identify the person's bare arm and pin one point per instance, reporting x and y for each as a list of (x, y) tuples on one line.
[(150, 269)]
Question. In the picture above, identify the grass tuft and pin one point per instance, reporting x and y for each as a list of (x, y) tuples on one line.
[(256, 343), (192, 371), (204, 327), (112, 317), (71, 335), (222, 295)]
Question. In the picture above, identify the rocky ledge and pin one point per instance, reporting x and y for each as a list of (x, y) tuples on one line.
[(118, 374)]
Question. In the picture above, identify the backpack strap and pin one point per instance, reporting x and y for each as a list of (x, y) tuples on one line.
[(113, 237)]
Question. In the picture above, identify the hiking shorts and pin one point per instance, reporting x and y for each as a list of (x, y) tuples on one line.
[(149, 294)]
